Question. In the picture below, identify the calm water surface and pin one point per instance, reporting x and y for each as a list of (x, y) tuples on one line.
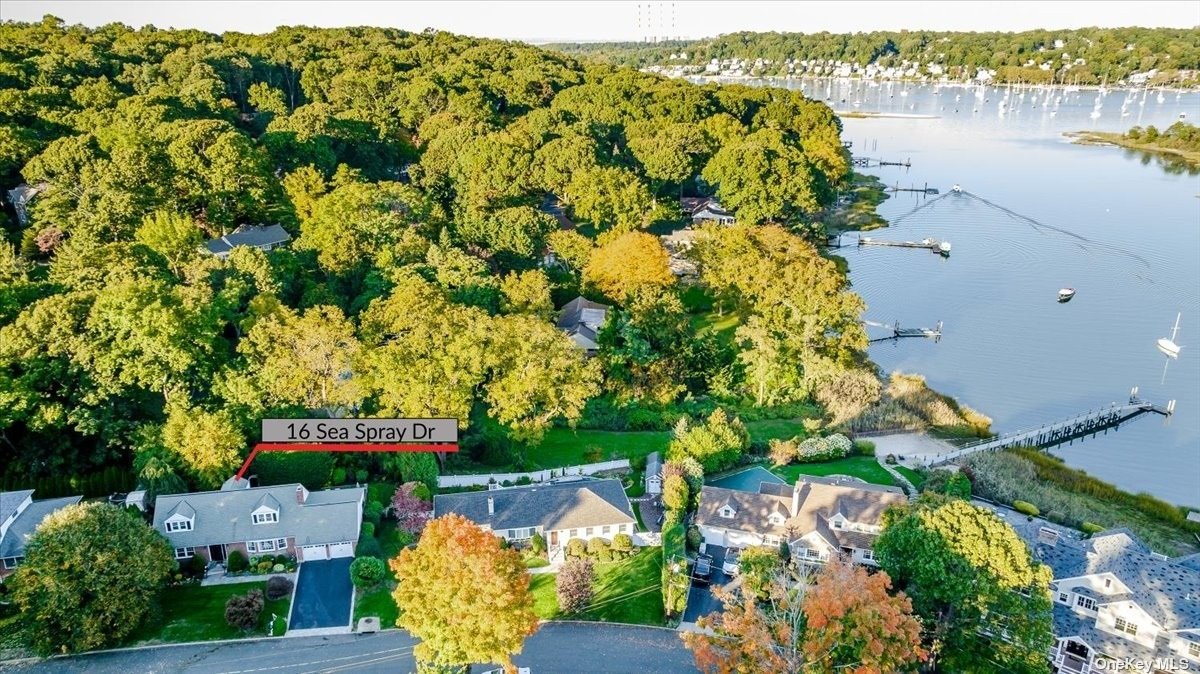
[(1122, 228)]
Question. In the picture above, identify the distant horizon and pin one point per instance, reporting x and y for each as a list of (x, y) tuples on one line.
[(592, 21)]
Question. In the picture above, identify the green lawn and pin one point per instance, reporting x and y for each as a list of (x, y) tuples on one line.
[(195, 613), (627, 592), (377, 603), (637, 512), (862, 467), (722, 326), (913, 476)]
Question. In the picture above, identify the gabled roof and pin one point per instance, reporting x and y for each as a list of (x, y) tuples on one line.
[(13, 543), (582, 311), (268, 500), (566, 505), (10, 501), (329, 516), (249, 235), (181, 509)]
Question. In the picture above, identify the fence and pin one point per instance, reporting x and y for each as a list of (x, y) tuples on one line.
[(534, 476)]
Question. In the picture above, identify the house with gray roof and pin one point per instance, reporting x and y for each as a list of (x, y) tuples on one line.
[(816, 517), (581, 319), (282, 519), (1116, 600), (20, 515), (21, 196), (705, 209), (653, 473), (584, 509), (262, 237)]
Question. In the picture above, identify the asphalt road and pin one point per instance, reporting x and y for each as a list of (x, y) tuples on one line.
[(586, 648)]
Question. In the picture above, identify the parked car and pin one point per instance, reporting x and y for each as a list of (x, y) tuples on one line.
[(118, 499), (730, 566), (702, 571)]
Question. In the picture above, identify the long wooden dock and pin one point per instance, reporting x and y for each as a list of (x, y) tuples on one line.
[(1078, 427), (900, 333), (941, 247)]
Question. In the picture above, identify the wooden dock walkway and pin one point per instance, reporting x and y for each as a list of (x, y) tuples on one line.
[(1078, 427), (899, 333), (940, 247)]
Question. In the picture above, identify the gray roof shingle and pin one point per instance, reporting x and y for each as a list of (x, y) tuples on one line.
[(566, 505), (10, 501), (329, 516), (13, 543), (249, 235)]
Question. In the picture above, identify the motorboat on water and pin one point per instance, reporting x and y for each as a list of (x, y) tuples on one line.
[(956, 188), (1065, 294), (1168, 345)]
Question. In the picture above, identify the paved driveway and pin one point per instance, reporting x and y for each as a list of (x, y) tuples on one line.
[(323, 595), (701, 601)]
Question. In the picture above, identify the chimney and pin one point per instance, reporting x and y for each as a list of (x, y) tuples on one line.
[(491, 505), (301, 494)]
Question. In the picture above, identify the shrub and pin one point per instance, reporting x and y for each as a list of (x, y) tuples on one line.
[(574, 585), (361, 476), (265, 567), (782, 452), (1090, 528), (622, 544), (812, 425), (368, 529), (537, 543), (339, 476), (838, 446), (367, 572), (593, 454), (195, 567), (694, 538), (638, 463), (890, 459), (421, 491), (373, 512), (523, 480), (277, 568), (576, 547), (243, 611), (675, 493), (598, 549), (368, 547), (536, 562), (279, 587), (864, 448), (236, 561), (1026, 508)]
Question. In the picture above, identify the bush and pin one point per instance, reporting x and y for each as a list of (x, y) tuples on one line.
[(576, 547), (694, 538), (195, 566), (361, 476), (373, 512), (536, 562), (338, 477), (368, 547), (279, 587), (864, 448), (1026, 508), (367, 572), (781, 452), (421, 491), (593, 454), (574, 585), (236, 561), (638, 463), (890, 459), (622, 544), (368, 530), (537, 543), (243, 611), (1090, 528), (310, 469), (265, 567), (598, 549), (277, 568)]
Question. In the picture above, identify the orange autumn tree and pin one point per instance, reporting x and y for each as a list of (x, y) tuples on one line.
[(463, 596), (853, 626), (840, 620)]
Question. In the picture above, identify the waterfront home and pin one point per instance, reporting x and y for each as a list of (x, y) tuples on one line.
[(262, 237), (705, 209), (584, 509), (581, 320), (20, 515), (816, 517), (283, 519), (1117, 601)]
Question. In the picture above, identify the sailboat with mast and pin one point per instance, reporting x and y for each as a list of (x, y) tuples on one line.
[(1168, 346)]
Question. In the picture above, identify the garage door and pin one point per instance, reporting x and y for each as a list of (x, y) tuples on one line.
[(345, 549), (313, 553)]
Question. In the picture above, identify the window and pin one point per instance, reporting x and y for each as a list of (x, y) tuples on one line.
[(574, 533), (12, 562), (1125, 626), (621, 528), (269, 517), (869, 555), (1107, 583), (1086, 603), (1062, 597), (1194, 649), (184, 553), (269, 545), (588, 531), (281, 544), (605, 529), (812, 554), (511, 535), (837, 524), (179, 525)]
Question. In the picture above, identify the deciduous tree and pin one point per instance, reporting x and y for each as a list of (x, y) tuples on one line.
[(627, 263), (574, 584)]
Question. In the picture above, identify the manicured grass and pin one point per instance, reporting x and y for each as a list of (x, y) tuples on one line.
[(770, 429), (637, 512), (863, 467), (913, 476), (195, 613), (721, 326), (567, 447), (626, 592), (378, 603)]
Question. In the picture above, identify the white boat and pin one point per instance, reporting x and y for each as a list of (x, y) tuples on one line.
[(1168, 346), (1065, 294), (944, 248), (956, 188)]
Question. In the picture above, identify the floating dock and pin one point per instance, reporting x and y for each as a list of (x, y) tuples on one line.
[(898, 332), (942, 247)]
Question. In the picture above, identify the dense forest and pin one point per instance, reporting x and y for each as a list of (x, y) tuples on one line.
[(413, 173), (1109, 53)]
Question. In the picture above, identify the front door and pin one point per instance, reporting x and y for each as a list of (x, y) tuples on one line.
[(216, 553), (553, 538)]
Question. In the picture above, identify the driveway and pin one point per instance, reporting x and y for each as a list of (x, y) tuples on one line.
[(323, 595), (701, 601)]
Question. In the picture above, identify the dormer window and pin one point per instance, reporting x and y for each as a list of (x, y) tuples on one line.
[(179, 524), (775, 518), (727, 512), (1125, 626), (265, 517)]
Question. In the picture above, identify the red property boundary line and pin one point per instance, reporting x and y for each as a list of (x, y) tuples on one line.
[(339, 447)]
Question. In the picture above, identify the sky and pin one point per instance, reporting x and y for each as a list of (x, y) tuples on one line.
[(588, 20)]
